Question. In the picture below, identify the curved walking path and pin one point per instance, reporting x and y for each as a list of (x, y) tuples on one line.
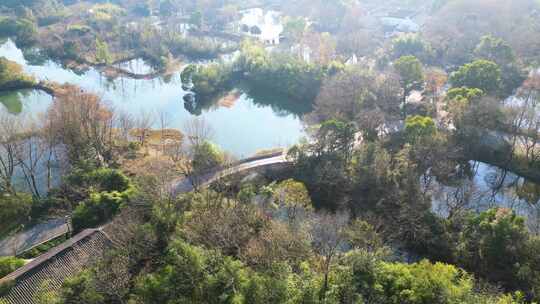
[(51, 229)]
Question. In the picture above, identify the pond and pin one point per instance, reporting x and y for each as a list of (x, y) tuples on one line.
[(25, 101), (481, 186), (241, 127), (136, 66)]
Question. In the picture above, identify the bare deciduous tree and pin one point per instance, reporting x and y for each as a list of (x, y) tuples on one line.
[(143, 124), (124, 124), (372, 102), (50, 145), (9, 127), (329, 233), (82, 123), (164, 123), (197, 131), (30, 153), (435, 80), (529, 124)]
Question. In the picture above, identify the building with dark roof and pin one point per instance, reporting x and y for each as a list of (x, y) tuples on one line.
[(46, 273)]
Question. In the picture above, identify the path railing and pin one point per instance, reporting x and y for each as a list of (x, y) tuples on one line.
[(186, 184)]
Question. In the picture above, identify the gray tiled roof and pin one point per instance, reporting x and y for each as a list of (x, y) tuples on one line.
[(47, 272)]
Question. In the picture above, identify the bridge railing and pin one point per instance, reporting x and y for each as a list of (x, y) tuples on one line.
[(232, 165), (218, 172), (246, 160)]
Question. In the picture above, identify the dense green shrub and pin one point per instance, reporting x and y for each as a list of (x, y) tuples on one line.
[(43, 248), (108, 190), (207, 83), (283, 73), (110, 180), (71, 50), (157, 56), (463, 93), (411, 74), (79, 289), (496, 245), (423, 283), (418, 127), (5, 287), (480, 74), (103, 179), (206, 156), (99, 208), (79, 29), (208, 80), (194, 275), (52, 15), (8, 27), (498, 51), (191, 274), (23, 30), (12, 75), (412, 45), (14, 210), (9, 264), (261, 71), (320, 165)]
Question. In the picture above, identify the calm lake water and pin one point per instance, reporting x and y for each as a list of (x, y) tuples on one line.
[(241, 128), (24, 101), (482, 186), (257, 121)]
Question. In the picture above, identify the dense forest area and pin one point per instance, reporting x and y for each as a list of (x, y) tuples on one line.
[(403, 104)]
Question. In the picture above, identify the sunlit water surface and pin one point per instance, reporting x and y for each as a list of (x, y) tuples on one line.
[(242, 128)]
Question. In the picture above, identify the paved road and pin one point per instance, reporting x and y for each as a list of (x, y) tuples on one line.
[(32, 237), (183, 185)]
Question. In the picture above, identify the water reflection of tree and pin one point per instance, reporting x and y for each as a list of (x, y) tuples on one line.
[(476, 187), (530, 192), (196, 105), (28, 156), (35, 56), (281, 105), (13, 101), (127, 87), (515, 192), (463, 195)]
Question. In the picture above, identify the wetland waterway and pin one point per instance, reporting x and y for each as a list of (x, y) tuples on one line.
[(242, 127)]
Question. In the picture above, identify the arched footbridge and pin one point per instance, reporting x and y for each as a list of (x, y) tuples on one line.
[(184, 185)]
